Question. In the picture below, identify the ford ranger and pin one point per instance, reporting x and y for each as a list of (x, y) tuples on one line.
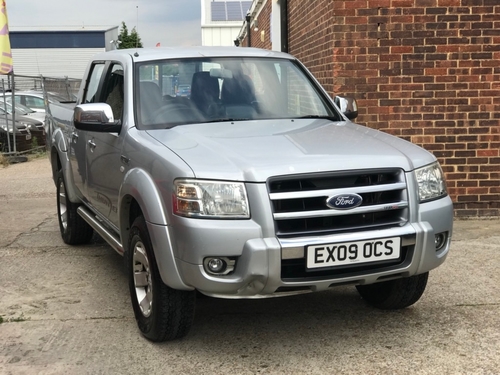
[(254, 184)]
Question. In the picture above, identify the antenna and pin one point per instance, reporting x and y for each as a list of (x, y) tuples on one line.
[(137, 28)]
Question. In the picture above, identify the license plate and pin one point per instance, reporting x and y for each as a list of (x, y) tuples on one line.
[(349, 253)]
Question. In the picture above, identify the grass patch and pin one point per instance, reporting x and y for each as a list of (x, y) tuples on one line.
[(20, 318), (37, 154), (4, 161)]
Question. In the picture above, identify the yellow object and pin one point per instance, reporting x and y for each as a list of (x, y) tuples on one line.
[(6, 56)]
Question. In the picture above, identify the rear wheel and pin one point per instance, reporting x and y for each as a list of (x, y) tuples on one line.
[(394, 294), (162, 313), (74, 230)]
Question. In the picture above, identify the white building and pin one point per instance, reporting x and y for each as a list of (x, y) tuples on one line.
[(221, 21), (58, 52)]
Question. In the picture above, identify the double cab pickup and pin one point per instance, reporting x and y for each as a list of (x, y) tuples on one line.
[(251, 183)]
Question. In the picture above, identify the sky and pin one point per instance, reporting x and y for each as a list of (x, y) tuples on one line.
[(168, 22)]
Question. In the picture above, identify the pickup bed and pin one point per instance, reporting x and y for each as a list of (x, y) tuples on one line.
[(251, 183)]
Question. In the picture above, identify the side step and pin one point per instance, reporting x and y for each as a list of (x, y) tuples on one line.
[(108, 236)]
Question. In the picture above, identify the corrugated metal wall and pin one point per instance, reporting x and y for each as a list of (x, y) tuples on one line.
[(53, 62), (219, 36)]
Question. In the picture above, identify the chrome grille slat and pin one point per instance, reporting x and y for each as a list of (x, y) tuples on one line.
[(330, 212), (300, 208), (331, 192)]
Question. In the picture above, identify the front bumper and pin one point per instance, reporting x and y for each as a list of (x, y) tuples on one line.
[(260, 259)]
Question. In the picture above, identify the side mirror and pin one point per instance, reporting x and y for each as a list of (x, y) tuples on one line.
[(348, 106), (95, 117)]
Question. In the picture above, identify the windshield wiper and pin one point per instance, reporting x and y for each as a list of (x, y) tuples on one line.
[(223, 119), (331, 118)]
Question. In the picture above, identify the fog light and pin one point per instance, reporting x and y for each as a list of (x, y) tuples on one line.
[(219, 265), (216, 265), (440, 240)]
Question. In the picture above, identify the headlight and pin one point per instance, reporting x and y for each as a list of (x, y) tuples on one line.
[(210, 199), (4, 127), (431, 183)]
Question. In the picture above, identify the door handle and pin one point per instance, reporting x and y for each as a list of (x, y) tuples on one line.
[(92, 143), (74, 137)]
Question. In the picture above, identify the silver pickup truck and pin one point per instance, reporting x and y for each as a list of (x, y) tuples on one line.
[(248, 182)]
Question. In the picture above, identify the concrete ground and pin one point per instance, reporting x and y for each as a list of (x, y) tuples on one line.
[(66, 310)]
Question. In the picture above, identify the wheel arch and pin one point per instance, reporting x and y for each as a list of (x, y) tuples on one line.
[(59, 160), (140, 196), (139, 187)]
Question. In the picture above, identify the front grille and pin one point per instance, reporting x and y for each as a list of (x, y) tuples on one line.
[(300, 208)]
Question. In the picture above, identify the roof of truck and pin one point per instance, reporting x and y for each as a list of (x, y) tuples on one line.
[(159, 53)]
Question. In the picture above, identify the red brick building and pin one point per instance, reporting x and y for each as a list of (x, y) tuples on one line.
[(425, 70)]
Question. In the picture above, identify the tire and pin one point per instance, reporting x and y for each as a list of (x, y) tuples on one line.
[(74, 230), (162, 313), (394, 294)]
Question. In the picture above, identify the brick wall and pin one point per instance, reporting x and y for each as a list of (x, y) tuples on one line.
[(311, 37), (425, 70), (261, 38)]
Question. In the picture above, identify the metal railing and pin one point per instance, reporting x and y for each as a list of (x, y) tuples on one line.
[(14, 139)]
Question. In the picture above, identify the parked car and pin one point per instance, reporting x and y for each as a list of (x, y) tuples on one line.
[(26, 119), (26, 136), (34, 99), (22, 111), (183, 90), (31, 99)]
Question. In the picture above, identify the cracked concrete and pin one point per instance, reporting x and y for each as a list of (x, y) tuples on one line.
[(66, 310)]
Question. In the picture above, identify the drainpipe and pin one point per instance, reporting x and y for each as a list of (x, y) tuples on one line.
[(284, 25), (248, 18)]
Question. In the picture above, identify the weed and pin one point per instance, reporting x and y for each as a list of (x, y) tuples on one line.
[(34, 143), (4, 161), (40, 153), (20, 318)]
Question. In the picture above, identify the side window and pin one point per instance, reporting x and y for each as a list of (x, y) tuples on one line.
[(113, 90), (34, 102), (93, 84)]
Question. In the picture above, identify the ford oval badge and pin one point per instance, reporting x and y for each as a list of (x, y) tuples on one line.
[(344, 201)]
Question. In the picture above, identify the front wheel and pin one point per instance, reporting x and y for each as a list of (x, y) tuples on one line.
[(162, 313), (74, 230), (394, 294)]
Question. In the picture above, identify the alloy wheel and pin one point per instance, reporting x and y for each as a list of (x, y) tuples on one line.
[(142, 279)]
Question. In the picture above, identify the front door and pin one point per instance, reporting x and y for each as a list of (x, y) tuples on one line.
[(105, 167), (78, 139)]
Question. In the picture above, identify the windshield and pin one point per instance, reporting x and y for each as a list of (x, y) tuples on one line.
[(20, 109), (175, 92)]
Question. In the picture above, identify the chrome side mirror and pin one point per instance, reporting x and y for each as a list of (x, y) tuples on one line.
[(95, 117), (348, 106)]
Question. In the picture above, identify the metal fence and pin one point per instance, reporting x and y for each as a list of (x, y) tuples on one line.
[(16, 136)]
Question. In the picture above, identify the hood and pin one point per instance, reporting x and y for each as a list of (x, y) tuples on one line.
[(26, 119), (253, 151)]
